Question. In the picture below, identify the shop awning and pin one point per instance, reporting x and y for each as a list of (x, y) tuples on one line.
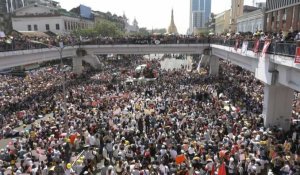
[(33, 34)]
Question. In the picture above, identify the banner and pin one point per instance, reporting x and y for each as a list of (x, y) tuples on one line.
[(244, 47), (222, 169), (297, 56), (265, 48), (256, 46), (237, 44)]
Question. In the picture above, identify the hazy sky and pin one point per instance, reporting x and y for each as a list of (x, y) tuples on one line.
[(150, 13)]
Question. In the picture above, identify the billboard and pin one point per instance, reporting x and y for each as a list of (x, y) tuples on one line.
[(85, 12)]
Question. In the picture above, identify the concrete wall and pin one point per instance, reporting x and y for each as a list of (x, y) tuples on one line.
[(21, 23)]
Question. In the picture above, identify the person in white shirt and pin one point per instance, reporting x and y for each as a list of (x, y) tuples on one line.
[(191, 151), (173, 153), (285, 170), (164, 170), (163, 150), (258, 166)]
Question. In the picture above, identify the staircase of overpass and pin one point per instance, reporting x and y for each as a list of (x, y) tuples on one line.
[(277, 71)]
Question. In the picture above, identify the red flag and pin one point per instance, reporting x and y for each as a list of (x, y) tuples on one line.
[(222, 169), (256, 46), (266, 46), (212, 170), (297, 57)]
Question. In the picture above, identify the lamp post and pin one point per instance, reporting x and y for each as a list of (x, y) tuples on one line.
[(61, 48)]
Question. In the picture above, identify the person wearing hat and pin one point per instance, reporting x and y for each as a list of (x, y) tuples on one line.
[(68, 169)]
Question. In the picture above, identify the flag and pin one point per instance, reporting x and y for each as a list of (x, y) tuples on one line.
[(180, 159), (265, 48), (256, 46), (212, 170), (222, 169), (244, 47), (297, 56)]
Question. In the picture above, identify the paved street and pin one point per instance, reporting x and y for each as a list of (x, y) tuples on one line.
[(4, 142)]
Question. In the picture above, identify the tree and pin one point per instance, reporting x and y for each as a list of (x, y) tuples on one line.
[(211, 23), (104, 28), (161, 31), (108, 29), (143, 32)]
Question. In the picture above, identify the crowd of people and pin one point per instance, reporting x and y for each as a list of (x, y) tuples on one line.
[(182, 123), (286, 41)]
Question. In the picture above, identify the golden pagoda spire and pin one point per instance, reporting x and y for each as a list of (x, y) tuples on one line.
[(172, 28)]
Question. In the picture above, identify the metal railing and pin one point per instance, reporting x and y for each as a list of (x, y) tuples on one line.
[(278, 48)]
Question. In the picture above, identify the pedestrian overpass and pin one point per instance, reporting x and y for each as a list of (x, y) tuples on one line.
[(279, 73)]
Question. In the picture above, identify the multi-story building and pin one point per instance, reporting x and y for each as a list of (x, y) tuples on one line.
[(200, 11), (42, 18), (252, 21), (222, 21), (9, 6), (237, 10), (282, 15)]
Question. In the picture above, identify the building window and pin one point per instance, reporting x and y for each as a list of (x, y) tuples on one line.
[(35, 27), (29, 28), (57, 26), (47, 27), (66, 28)]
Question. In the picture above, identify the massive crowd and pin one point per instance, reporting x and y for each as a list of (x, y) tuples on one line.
[(286, 41), (182, 123)]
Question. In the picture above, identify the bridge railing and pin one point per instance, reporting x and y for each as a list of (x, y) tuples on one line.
[(16, 45), (277, 48)]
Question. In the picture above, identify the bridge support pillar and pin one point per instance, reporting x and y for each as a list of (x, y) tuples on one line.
[(77, 65), (278, 106), (214, 65)]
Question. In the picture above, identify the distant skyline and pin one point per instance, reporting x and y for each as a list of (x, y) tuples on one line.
[(150, 13)]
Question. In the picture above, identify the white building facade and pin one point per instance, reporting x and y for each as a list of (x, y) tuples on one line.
[(42, 18), (251, 22)]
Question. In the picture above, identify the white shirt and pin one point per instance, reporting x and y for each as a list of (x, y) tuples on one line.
[(163, 169), (191, 150), (173, 153)]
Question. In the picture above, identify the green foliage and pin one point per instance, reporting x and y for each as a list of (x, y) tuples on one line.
[(104, 28), (143, 31), (161, 31)]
